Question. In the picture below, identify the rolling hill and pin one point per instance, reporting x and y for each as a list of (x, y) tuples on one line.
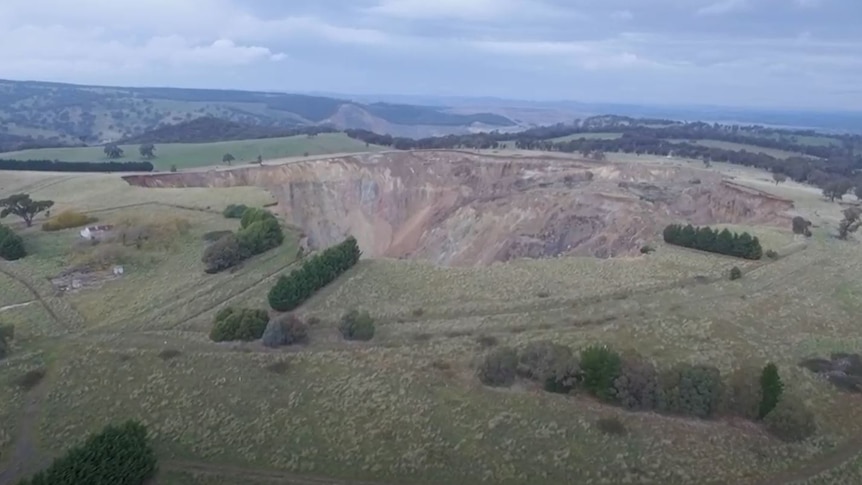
[(42, 114)]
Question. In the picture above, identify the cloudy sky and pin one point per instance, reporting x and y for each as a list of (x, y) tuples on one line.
[(776, 53)]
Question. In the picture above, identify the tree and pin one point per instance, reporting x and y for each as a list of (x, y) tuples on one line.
[(600, 367), (498, 367), (837, 188), (735, 273), (357, 325), (850, 223), (147, 150), (287, 330), (260, 160), (22, 206), (553, 365), (771, 389), (223, 254), (801, 226), (791, 420), (227, 158), (724, 242), (691, 390), (636, 388), (779, 177), (239, 324), (113, 151)]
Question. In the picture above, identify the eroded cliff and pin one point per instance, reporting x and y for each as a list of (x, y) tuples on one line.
[(459, 208)]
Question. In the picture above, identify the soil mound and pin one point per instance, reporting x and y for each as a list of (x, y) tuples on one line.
[(460, 208)]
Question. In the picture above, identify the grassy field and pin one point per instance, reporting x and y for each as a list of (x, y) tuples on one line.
[(726, 145), (406, 406), (187, 155)]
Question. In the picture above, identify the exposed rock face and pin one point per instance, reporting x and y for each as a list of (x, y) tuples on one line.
[(459, 208)]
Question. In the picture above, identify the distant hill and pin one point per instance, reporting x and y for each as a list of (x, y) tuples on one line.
[(209, 129), (42, 114)]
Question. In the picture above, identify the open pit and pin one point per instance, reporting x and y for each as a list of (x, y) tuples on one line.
[(460, 208)]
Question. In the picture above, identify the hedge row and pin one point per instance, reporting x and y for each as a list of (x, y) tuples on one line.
[(67, 220), (634, 383), (11, 245), (118, 455), (259, 232), (56, 166), (316, 272), (714, 241)]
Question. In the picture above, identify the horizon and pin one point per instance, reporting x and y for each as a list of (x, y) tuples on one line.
[(759, 54)]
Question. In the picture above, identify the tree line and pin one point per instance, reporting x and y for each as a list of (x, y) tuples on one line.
[(714, 241), (292, 290), (211, 129), (118, 455), (58, 166)]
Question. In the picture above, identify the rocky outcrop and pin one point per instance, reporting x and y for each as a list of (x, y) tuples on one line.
[(460, 208)]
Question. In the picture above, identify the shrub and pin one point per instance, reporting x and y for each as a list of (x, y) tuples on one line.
[(706, 239), (169, 354), (239, 324), (234, 211), (67, 220), (611, 426), (735, 273), (254, 214), (487, 341), (357, 325), (287, 330), (692, 390), (600, 366), (771, 388), (223, 254), (744, 393), (316, 272), (647, 249), (260, 236), (11, 245), (636, 388), (801, 226), (791, 421), (554, 365), (498, 367), (118, 455), (30, 379), (771, 254)]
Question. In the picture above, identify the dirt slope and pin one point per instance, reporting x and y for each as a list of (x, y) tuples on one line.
[(459, 208)]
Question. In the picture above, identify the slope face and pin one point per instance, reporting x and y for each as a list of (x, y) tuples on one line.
[(458, 208)]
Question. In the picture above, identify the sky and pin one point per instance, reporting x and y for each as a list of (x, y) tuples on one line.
[(745, 53)]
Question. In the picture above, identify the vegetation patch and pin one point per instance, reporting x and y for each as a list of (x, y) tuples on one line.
[(357, 325), (498, 367), (30, 379), (235, 211), (714, 241), (285, 330), (239, 324), (259, 232), (11, 245), (67, 220)]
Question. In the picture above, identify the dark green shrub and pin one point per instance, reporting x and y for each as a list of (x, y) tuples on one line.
[(286, 330), (708, 239), (357, 325), (611, 426), (600, 367), (744, 394), (316, 272), (637, 387), (692, 390), (11, 245), (498, 367), (260, 236), (254, 214), (118, 455), (239, 324), (735, 273), (771, 388), (223, 254), (234, 211), (791, 420)]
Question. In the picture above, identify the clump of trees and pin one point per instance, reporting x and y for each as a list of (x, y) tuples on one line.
[(147, 150), (259, 232), (286, 330), (714, 241), (118, 455), (67, 220), (357, 325), (234, 211), (11, 245), (23, 206), (292, 290), (58, 166), (113, 151), (633, 382), (7, 333), (801, 226), (239, 324), (850, 223)]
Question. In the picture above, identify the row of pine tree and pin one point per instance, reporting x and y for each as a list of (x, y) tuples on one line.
[(715, 241)]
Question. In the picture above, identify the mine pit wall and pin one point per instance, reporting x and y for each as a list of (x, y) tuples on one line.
[(453, 208)]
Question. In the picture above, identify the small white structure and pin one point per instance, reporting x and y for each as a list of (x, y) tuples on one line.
[(96, 232), (118, 270)]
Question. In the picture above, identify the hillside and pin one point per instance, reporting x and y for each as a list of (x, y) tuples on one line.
[(50, 114)]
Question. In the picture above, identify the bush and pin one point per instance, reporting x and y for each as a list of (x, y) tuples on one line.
[(692, 390), (498, 367), (118, 455), (771, 254), (287, 330), (801, 226), (30, 379), (791, 421), (771, 388), (611, 426), (487, 341), (600, 367), (735, 273), (707, 239), (357, 325), (239, 324), (637, 388), (744, 393), (254, 214), (316, 272), (11, 245), (647, 249), (260, 236), (234, 211), (67, 220), (223, 254), (554, 365)]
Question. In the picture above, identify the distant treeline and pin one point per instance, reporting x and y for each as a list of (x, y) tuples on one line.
[(57, 166), (714, 241), (211, 129), (13, 143)]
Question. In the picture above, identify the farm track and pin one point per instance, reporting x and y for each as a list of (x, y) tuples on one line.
[(38, 297)]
